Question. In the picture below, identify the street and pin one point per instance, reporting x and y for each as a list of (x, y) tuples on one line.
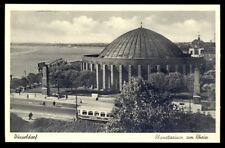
[(64, 109)]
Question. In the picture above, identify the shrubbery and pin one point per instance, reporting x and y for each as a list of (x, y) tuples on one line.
[(142, 108)]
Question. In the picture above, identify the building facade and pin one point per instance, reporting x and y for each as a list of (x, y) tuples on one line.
[(139, 53)]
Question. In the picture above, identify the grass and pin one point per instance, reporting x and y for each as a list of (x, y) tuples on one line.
[(17, 124)]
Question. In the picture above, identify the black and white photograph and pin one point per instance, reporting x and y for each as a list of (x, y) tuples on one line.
[(112, 73)]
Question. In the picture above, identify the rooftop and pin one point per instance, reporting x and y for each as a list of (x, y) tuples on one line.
[(141, 43)]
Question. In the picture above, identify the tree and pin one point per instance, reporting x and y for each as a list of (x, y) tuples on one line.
[(157, 81), (174, 82), (33, 78), (87, 78), (24, 81), (15, 83), (139, 108), (189, 82)]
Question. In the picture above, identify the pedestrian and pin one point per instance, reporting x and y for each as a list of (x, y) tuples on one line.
[(27, 96), (96, 98), (53, 103), (30, 115), (80, 101)]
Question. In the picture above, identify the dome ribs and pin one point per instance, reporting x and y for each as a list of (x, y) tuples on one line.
[(128, 45), (137, 49), (153, 47), (161, 46), (141, 43), (115, 47), (118, 48), (107, 50), (132, 46), (148, 46), (132, 49), (123, 46)]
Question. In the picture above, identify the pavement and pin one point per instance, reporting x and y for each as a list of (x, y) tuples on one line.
[(24, 103)]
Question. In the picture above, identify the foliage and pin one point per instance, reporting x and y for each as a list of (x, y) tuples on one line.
[(30, 79), (72, 78), (206, 79), (173, 82), (189, 82), (139, 108), (34, 78), (210, 90), (209, 65), (15, 83), (87, 78)]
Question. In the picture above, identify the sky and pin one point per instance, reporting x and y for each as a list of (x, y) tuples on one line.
[(105, 26)]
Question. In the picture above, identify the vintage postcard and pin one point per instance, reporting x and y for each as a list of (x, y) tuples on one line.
[(112, 73)]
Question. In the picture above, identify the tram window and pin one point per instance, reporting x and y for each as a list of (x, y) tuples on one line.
[(84, 112), (90, 113), (102, 114), (96, 114)]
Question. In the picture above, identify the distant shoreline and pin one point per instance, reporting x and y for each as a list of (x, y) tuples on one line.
[(63, 44)]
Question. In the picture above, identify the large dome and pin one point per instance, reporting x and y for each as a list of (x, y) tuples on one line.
[(141, 43)]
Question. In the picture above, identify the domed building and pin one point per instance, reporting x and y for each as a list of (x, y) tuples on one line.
[(138, 52)]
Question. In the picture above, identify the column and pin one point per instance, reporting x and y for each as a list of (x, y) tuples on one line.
[(149, 70), (129, 73), (168, 68), (108, 80), (86, 66), (120, 77), (196, 93), (176, 68), (104, 76), (158, 68), (139, 71), (83, 65), (184, 69), (97, 76), (190, 67), (45, 81), (112, 76), (91, 66)]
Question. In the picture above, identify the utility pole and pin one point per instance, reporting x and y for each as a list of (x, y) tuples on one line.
[(76, 107)]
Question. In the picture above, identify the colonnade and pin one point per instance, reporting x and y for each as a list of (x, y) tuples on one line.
[(113, 76)]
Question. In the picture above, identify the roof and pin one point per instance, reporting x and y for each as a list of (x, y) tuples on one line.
[(141, 43)]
